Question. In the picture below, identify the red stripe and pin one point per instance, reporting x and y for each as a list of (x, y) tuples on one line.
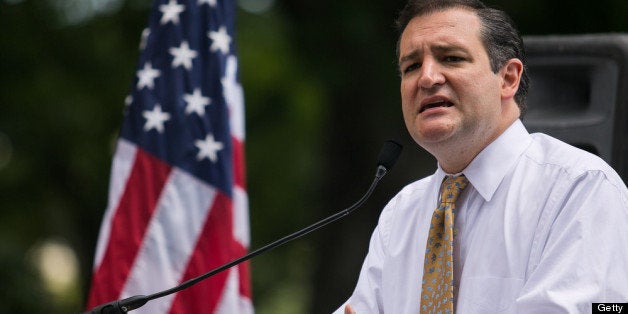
[(212, 250), (239, 171), (244, 272), (136, 207), (239, 168)]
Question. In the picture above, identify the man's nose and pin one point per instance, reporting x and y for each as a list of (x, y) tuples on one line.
[(431, 74)]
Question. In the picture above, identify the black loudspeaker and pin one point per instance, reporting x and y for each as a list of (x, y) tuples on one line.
[(579, 92)]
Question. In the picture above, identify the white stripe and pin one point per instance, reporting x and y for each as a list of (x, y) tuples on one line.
[(246, 306), (241, 230), (231, 301), (120, 171), (170, 240)]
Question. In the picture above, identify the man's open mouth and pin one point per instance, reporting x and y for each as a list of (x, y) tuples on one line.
[(436, 104)]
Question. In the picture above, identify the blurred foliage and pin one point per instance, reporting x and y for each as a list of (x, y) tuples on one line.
[(321, 95)]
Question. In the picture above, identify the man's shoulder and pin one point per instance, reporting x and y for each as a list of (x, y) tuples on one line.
[(549, 152)]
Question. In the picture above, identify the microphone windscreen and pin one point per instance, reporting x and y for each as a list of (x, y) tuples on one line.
[(389, 154)]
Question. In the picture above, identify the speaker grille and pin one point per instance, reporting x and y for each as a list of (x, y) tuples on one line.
[(579, 92)]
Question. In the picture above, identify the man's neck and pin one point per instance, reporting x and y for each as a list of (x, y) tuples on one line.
[(454, 157)]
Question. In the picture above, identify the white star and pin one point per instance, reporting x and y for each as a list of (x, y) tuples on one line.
[(220, 40), (208, 148), (147, 76), (171, 12), (196, 102), (212, 3), (183, 55), (155, 119), (144, 39)]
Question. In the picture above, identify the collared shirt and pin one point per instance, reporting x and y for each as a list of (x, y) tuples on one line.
[(541, 228)]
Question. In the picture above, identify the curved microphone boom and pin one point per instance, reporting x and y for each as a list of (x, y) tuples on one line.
[(387, 158)]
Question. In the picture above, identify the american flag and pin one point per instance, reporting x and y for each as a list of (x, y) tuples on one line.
[(177, 203)]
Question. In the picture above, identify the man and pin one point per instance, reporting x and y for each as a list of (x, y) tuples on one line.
[(527, 224)]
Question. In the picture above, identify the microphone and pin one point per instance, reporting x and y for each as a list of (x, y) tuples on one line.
[(389, 154), (387, 158)]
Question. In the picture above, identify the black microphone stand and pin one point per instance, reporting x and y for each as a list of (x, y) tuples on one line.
[(388, 156)]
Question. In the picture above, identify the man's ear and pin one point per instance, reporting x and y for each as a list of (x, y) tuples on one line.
[(511, 76)]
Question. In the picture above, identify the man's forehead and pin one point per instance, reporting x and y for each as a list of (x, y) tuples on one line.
[(443, 30)]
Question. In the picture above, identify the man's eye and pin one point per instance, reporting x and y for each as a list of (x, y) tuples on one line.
[(411, 67), (453, 59)]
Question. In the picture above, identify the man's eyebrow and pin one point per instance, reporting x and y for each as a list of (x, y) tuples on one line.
[(448, 48), (409, 56), (437, 48)]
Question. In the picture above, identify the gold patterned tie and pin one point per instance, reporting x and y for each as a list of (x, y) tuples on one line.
[(437, 293)]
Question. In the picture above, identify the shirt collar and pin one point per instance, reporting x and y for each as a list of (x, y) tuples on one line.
[(488, 168)]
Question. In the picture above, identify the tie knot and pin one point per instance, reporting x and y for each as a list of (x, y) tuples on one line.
[(451, 188)]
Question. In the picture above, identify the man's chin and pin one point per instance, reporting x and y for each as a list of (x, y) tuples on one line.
[(434, 134)]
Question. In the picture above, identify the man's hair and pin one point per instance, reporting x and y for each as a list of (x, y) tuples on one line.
[(498, 33)]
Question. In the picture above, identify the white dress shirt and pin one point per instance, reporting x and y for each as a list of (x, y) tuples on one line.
[(541, 228)]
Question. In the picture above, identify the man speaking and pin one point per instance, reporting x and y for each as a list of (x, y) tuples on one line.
[(510, 222)]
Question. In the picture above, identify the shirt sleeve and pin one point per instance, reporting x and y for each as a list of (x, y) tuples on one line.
[(367, 296), (582, 254)]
